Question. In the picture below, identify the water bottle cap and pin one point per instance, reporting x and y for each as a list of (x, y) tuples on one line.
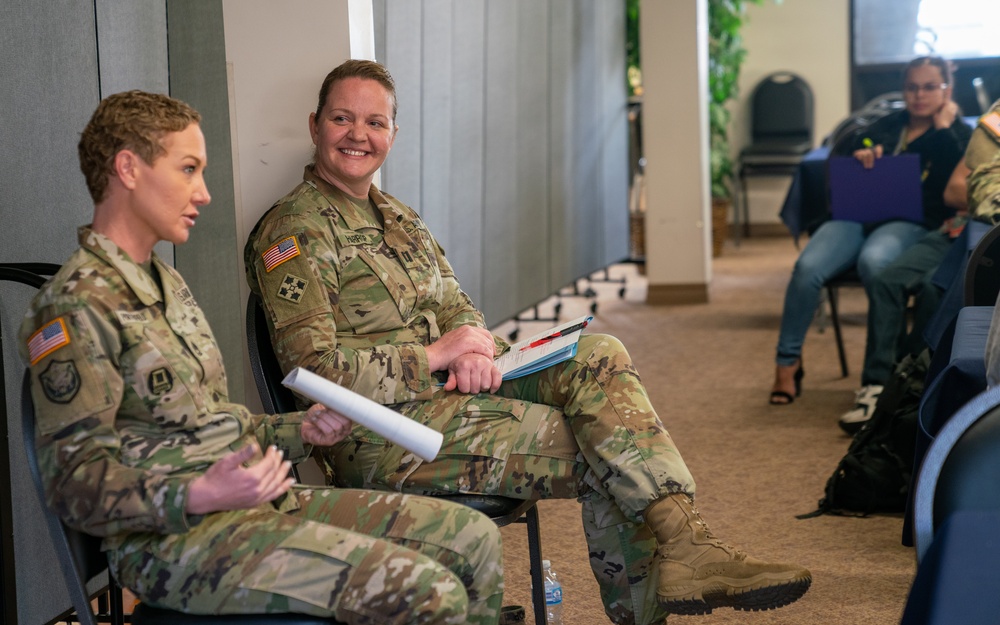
[(546, 564)]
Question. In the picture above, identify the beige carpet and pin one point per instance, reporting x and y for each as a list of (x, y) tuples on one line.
[(708, 369)]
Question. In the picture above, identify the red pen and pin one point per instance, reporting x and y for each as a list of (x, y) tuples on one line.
[(555, 335)]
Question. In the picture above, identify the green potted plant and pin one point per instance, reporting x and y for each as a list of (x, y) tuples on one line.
[(725, 58)]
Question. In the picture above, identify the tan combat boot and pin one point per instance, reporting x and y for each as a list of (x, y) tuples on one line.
[(699, 572)]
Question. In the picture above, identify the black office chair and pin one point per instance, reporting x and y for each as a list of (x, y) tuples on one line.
[(849, 278), (961, 468), (781, 133), (278, 399), (982, 274)]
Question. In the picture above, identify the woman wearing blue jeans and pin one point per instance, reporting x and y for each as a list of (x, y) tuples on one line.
[(929, 127)]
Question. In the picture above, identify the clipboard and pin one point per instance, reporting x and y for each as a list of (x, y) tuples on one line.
[(889, 190)]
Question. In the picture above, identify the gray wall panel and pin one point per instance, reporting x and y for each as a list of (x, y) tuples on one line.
[(48, 89), (465, 223), (521, 124), (435, 107), (584, 213), (131, 47), (531, 202), (613, 127), (562, 114), (500, 209), (209, 260), (402, 172)]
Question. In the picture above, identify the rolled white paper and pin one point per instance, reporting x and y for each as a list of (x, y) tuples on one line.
[(405, 432)]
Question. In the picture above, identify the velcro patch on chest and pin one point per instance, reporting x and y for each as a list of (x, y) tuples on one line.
[(284, 250), (292, 288), (126, 317), (351, 239), (160, 381), (47, 339)]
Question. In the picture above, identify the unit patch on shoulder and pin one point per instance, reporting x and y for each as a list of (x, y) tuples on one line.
[(47, 339), (285, 249), (292, 288), (991, 122), (60, 381)]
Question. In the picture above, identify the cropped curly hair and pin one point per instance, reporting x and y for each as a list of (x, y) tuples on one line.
[(131, 120)]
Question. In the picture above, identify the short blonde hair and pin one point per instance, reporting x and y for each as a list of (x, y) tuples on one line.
[(131, 120)]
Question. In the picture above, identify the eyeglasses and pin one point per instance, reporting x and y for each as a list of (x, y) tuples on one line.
[(930, 87)]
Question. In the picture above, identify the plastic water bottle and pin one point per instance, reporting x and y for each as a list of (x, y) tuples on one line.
[(553, 595)]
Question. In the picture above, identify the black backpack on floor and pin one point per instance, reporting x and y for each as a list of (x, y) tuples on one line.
[(874, 476)]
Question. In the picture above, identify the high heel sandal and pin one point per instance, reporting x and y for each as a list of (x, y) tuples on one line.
[(787, 397)]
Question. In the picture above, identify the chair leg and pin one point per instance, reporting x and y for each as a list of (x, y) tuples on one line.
[(746, 210), (535, 562), (740, 196), (117, 603), (835, 320)]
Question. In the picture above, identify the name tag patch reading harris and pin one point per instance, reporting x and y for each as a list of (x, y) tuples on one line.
[(355, 238), (47, 339), (283, 250), (60, 381), (292, 288)]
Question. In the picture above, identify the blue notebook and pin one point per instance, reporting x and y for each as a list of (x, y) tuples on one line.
[(889, 190)]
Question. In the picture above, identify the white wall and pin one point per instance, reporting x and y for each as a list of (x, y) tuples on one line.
[(277, 56), (673, 36), (810, 38)]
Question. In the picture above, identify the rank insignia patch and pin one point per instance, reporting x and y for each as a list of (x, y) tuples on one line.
[(285, 249), (60, 381), (160, 381), (292, 288), (47, 339)]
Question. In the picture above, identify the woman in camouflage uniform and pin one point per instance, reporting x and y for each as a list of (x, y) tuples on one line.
[(357, 290), (138, 442)]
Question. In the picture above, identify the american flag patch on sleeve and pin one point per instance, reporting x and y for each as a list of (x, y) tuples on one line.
[(991, 122), (281, 251), (47, 339)]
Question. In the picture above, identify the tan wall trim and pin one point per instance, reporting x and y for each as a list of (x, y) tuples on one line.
[(676, 294)]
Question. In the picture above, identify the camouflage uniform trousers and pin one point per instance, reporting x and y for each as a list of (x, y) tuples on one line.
[(357, 556), (580, 429)]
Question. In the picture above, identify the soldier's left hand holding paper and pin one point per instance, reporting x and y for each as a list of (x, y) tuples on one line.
[(323, 427)]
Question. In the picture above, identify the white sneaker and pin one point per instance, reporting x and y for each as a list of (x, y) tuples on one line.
[(864, 407)]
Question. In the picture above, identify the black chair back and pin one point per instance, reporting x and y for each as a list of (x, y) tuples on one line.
[(961, 468), (782, 113), (267, 374), (982, 274), (80, 557), (82, 561), (277, 399)]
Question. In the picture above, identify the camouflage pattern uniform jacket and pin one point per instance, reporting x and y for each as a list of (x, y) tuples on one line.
[(131, 401), (355, 289)]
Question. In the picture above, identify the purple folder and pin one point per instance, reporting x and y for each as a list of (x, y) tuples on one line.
[(889, 190)]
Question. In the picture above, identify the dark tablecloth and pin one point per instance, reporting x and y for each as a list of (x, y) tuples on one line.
[(805, 205)]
